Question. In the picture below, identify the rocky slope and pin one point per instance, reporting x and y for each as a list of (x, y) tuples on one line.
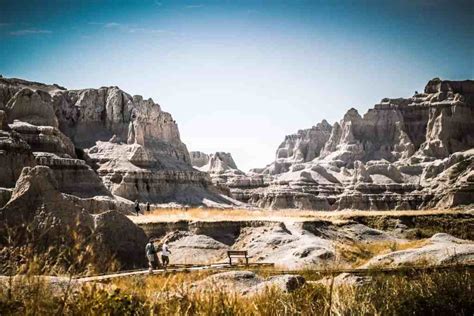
[(41, 222), (406, 153)]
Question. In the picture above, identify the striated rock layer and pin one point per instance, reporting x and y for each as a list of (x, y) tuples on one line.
[(102, 144), (408, 153)]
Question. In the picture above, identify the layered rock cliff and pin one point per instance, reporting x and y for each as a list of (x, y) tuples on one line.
[(111, 148), (405, 153), (99, 142), (74, 156)]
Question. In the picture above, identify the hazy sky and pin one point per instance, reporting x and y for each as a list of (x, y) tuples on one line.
[(238, 76)]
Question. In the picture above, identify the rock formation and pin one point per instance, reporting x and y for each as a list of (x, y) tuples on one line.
[(77, 159), (247, 283), (220, 162), (402, 154), (112, 148), (54, 224), (224, 172), (440, 249), (299, 148), (100, 143), (220, 166)]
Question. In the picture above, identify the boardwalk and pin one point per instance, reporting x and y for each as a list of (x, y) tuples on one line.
[(269, 270), (122, 274)]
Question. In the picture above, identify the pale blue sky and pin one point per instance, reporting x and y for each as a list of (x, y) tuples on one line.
[(238, 76)]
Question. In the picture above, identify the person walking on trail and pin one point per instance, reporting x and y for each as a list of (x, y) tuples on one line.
[(165, 255), (151, 255), (137, 207), (148, 207)]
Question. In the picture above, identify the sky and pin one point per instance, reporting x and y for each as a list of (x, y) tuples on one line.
[(238, 76)]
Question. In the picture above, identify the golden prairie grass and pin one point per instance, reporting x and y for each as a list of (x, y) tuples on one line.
[(422, 223), (358, 253), (160, 283), (47, 249), (417, 293), (216, 214)]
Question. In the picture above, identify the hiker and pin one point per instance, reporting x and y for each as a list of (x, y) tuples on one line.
[(137, 207), (151, 255), (148, 207), (165, 253)]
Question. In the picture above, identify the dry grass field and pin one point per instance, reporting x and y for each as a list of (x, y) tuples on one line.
[(214, 214), (426, 293)]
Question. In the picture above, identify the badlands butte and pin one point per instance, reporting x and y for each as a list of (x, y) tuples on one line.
[(413, 153), (78, 159)]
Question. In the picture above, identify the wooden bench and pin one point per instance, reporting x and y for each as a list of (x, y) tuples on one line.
[(238, 254)]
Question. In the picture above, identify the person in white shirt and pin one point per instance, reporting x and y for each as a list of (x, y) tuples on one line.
[(165, 255)]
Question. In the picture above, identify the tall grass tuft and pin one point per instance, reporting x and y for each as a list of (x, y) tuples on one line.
[(46, 245), (420, 293)]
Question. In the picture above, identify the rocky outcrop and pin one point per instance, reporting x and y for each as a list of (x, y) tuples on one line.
[(198, 158), (440, 249), (32, 106), (15, 154), (73, 161), (301, 147), (91, 115), (74, 176), (45, 139), (120, 236), (54, 220), (217, 163), (100, 142), (223, 171), (402, 154), (247, 283), (135, 172)]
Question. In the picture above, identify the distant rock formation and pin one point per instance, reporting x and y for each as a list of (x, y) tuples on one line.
[(301, 147), (408, 153), (222, 169), (219, 162)]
